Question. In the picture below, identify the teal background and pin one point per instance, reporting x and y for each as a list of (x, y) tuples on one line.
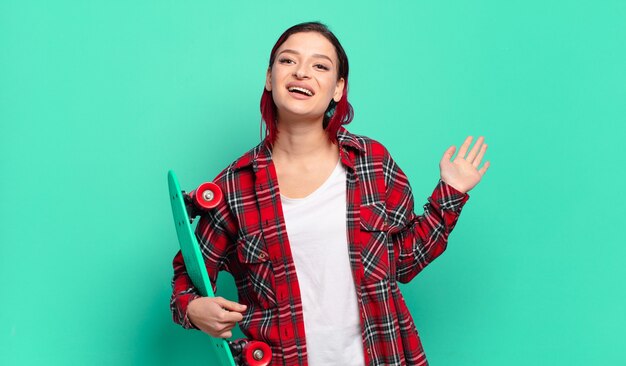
[(99, 99)]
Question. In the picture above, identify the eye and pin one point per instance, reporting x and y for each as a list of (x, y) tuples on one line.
[(323, 67), (285, 61)]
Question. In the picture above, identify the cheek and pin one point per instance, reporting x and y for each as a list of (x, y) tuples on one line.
[(329, 88), (275, 75), (273, 78)]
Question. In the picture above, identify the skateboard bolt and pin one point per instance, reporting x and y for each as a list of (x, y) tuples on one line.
[(207, 195), (257, 355)]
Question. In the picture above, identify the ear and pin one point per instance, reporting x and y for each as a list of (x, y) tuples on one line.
[(268, 79), (339, 90)]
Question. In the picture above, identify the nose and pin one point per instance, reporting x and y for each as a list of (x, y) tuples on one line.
[(300, 72)]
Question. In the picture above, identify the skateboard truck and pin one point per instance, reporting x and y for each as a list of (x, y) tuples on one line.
[(207, 196)]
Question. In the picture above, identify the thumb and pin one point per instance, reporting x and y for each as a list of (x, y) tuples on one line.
[(447, 155), (229, 305)]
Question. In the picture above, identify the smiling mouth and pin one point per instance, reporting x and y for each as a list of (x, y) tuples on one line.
[(303, 91)]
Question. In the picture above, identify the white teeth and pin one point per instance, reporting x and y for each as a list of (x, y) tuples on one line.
[(308, 92)]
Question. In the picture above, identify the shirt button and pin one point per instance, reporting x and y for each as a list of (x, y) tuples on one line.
[(368, 351), (262, 255)]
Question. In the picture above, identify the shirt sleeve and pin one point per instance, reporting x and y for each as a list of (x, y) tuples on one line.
[(216, 246), (418, 239)]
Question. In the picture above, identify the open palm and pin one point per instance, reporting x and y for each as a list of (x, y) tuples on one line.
[(462, 173)]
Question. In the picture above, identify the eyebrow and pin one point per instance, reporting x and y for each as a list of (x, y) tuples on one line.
[(318, 55)]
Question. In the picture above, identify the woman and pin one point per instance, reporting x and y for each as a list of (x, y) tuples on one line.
[(317, 224)]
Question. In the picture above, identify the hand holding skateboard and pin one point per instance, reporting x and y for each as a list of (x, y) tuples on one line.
[(215, 316)]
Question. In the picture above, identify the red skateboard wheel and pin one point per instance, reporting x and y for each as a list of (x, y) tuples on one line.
[(257, 353), (207, 196)]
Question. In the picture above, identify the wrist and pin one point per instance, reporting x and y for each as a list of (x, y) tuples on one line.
[(456, 186), (191, 307)]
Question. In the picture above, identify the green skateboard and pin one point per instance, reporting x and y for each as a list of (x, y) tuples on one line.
[(184, 208)]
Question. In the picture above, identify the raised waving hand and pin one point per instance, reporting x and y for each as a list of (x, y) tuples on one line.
[(463, 173)]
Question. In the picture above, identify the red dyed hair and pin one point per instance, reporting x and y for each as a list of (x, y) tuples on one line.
[(337, 113)]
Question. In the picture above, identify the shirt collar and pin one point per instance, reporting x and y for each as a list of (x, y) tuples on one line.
[(260, 156)]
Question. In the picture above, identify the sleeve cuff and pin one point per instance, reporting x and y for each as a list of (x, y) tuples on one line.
[(186, 323), (448, 197)]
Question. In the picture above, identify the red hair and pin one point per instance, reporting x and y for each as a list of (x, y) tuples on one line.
[(337, 113)]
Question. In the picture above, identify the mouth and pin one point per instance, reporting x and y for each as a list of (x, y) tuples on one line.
[(300, 90)]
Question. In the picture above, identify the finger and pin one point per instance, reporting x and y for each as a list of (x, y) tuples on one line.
[(230, 317), (479, 158), (484, 168), (226, 334), (447, 155), (463, 149), (472, 154), (224, 327), (229, 305)]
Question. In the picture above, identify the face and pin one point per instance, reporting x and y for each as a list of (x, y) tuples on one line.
[(303, 78)]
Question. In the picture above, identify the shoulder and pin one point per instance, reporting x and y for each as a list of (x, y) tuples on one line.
[(236, 181), (237, 167), (365, 145)]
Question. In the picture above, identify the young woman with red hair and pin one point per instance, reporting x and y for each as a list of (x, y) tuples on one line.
[(317, 224)]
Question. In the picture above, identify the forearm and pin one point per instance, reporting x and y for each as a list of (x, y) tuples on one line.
[(425, 236)]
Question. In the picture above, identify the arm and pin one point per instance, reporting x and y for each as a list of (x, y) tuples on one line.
[(418, 240)]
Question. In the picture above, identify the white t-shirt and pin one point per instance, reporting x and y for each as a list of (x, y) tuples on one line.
[(316, 227)]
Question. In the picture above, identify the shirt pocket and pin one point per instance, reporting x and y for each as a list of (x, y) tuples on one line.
[(258, 278), (374, 250)]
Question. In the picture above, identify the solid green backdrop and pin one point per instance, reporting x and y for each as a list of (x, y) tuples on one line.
[(99, 99)]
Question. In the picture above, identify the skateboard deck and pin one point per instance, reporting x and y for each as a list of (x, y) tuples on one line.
[(219, 351)]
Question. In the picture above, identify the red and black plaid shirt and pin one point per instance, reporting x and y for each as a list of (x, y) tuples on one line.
[(388, 243)]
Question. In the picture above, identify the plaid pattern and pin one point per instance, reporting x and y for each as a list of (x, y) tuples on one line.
[(246, 236)]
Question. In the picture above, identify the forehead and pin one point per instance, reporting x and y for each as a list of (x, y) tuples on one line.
[(308, 43)]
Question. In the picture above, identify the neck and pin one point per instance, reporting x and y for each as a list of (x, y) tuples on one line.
[(301, 140)]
